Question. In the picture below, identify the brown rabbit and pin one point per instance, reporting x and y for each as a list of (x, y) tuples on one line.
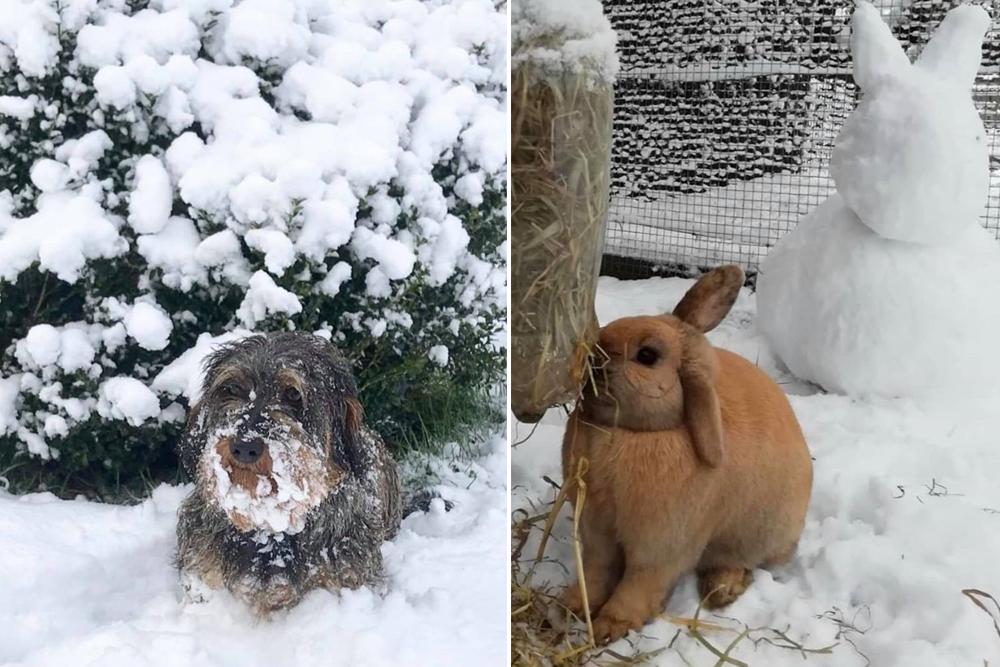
[(695, 461)]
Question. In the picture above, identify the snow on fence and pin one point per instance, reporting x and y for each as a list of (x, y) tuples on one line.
[(725, 116)]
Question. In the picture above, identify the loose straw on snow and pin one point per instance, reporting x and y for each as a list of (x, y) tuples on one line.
[(539, 640), (535, 639)]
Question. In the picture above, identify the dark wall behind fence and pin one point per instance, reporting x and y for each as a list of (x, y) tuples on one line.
[(725, 115)]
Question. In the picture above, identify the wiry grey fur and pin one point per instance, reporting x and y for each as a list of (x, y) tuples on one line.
[(339, 545)]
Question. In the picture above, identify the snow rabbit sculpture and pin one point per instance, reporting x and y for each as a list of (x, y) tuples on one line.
[(890, 287)]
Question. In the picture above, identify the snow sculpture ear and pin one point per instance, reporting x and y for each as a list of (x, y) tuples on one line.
[(876, 53), (956, 47)]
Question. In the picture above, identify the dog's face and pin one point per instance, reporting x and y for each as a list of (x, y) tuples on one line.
[(274, 431)]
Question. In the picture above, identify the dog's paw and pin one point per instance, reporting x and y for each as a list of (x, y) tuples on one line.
[(422, 500), (194, 590)]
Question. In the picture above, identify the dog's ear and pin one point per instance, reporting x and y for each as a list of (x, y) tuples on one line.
[(350, 427), (702, 412), (341, 392), (191, 441), (354, 416)]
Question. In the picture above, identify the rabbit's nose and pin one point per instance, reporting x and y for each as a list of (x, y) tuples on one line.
[(598, 369), (598, 357)]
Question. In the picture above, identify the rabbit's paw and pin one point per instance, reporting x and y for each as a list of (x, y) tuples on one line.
[(608, 628), (573, 600), (722, 586)]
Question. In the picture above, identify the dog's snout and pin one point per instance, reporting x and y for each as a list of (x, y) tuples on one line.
[(247, 450)]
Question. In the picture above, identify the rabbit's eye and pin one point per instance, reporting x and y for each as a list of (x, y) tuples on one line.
[(647, 356)]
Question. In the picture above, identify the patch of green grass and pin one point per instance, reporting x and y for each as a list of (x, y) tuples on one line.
[(444, 414), (128, 480)]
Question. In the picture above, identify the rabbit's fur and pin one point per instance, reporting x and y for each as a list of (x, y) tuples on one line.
[(694, 462)]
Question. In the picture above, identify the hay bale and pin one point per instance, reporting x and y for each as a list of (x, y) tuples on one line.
[(561, 99)]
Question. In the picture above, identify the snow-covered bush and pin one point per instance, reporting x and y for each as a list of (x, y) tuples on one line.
[(179, 170)]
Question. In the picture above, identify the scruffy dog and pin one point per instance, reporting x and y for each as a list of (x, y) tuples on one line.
[(293, 491)]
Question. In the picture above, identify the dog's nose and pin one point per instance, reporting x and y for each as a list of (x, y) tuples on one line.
[(247, 451)]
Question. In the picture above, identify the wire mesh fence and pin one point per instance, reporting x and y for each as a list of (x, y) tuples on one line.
[(725, 116)]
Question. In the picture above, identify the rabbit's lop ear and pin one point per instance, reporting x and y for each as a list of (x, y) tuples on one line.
[(955, 49), (702, 413), (876, 53), (709, 300)]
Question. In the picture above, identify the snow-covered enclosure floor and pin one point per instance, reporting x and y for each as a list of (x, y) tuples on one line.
[(84, 583), (905, 514)]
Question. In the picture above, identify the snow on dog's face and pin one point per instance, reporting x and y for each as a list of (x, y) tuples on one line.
[(274, 432)]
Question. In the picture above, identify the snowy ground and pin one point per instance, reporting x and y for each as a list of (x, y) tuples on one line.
[(905, 514), (91, 584)]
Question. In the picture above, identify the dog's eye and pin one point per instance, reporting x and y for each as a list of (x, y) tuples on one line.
[(647, 356), (292, 395), (232, 390)]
